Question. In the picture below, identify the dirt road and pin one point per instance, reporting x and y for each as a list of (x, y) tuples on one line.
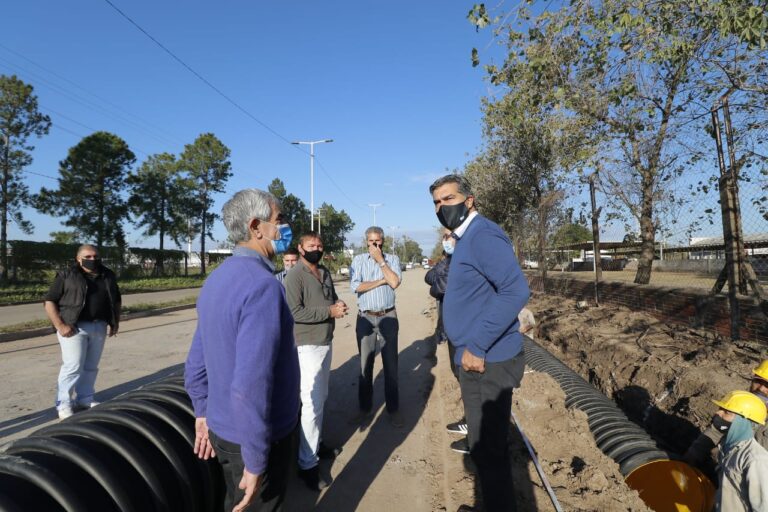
[(381, 468)]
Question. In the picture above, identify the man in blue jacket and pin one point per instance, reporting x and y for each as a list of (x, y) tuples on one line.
[(242, 372), (484, 296)]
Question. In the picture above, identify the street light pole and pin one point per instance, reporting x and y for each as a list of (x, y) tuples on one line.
[(311, 144), (393, 228), (374, 206)]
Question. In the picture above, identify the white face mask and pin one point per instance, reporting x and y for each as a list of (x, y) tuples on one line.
[(448, 247)]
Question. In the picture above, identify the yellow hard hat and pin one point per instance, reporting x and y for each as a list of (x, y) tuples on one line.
[(744, 404), (762, 370)]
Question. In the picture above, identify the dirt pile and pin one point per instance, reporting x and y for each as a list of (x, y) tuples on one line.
[(663, 376), (583, 478)]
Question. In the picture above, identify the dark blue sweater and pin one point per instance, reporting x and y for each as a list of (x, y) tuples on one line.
[(486, 291), (242, 372)]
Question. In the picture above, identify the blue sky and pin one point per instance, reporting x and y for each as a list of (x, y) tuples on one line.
[(390, 82)]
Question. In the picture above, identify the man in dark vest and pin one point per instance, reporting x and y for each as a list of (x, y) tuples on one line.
[(82, 302)]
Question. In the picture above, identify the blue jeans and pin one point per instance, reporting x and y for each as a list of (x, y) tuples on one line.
[(80, 355)]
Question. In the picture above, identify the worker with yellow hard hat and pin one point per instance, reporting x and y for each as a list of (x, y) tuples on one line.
[(743, 474), (703, 452)]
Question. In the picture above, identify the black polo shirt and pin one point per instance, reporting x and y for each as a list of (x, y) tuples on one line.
[(97, 304)]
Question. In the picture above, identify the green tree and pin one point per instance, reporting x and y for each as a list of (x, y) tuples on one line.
[(64, 237), (19, 119), (409, 250), (571, 233), (91, 182), (334, 226), (294, 211), (158, 194), (637, 76), (206, 162)]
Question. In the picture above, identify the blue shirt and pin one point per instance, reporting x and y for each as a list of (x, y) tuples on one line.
[(364, 268), (485, 293), (242, 371)]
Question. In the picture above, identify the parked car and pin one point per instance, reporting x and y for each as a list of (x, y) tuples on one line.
[(344, 271), (530, 264), (408, 266)]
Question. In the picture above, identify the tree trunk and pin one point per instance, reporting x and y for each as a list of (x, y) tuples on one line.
[(159, 264), (647, 234), (202, 242), (4, 216)]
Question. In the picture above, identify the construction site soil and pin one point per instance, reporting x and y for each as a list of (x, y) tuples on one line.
[(663, 376)]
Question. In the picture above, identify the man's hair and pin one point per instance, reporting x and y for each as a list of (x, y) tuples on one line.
[(86, 247), (374, 229), (242, 208), (465, 188), (310, 235), (291, 251)]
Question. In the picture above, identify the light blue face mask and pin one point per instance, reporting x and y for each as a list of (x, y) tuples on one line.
[(448, 247), (286, 236)]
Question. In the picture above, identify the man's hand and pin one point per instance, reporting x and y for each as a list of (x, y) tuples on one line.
[(113, 330), (338, 310), (66, 330), (471, 363), (250, 483), (203, 447), (376, 253)]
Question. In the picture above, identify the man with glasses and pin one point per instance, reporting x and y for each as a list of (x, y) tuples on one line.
[(82, 302), (315, 307)]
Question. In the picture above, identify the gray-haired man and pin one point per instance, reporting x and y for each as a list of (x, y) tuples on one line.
[(374, 276)]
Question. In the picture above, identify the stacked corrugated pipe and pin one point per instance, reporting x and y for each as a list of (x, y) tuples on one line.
[(665, 484), (132, 453)]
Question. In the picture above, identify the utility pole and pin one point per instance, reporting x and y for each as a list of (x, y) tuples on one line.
[(393, 228), (374, 206), (596, 261), (312, 177)]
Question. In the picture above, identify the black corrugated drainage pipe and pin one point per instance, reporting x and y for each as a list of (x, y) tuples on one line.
[(132, 453), (663, 483)]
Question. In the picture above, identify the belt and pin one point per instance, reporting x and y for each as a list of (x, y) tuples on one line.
[(381, 312)]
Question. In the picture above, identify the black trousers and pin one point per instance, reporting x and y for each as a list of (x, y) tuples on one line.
[(487, 403), (270, 496), (373, 331)]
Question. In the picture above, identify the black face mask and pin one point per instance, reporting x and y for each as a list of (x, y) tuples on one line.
[(452, 216), (90, 265), (313, 256), (720, 424)]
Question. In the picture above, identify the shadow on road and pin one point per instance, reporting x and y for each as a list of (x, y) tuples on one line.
[(34, 419), (381, 438)]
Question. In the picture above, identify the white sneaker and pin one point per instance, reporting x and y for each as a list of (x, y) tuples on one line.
[(65, 412)]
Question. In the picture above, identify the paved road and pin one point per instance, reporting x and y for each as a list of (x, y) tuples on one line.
[(10, 315)]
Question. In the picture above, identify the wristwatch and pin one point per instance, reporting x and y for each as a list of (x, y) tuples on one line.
[(383, 263)]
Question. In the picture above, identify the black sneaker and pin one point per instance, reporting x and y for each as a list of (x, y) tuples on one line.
[(326, 452), (459, 427), (461, 446), (313, 479)]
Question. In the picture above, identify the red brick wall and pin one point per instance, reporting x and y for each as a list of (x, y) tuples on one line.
[(687, 306)]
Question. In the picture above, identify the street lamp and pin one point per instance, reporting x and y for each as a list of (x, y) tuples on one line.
[(393, 228), (311, 177), (374, 206)]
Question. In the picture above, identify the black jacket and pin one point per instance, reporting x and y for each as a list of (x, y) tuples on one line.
[(69, 289), (437, 278)]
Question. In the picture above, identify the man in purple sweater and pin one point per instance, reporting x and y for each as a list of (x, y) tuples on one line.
[(242, 372), (485, 293)]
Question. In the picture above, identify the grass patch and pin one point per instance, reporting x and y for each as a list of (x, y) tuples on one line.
[(135, 308), (34, 292)]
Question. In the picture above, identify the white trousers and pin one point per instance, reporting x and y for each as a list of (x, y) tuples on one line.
[(315, 367)]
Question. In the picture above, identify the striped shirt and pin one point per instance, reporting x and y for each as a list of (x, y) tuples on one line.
[(364, 268)]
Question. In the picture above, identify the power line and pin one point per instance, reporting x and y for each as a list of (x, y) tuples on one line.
[(223, 95), (199, 76), (148, 124)]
